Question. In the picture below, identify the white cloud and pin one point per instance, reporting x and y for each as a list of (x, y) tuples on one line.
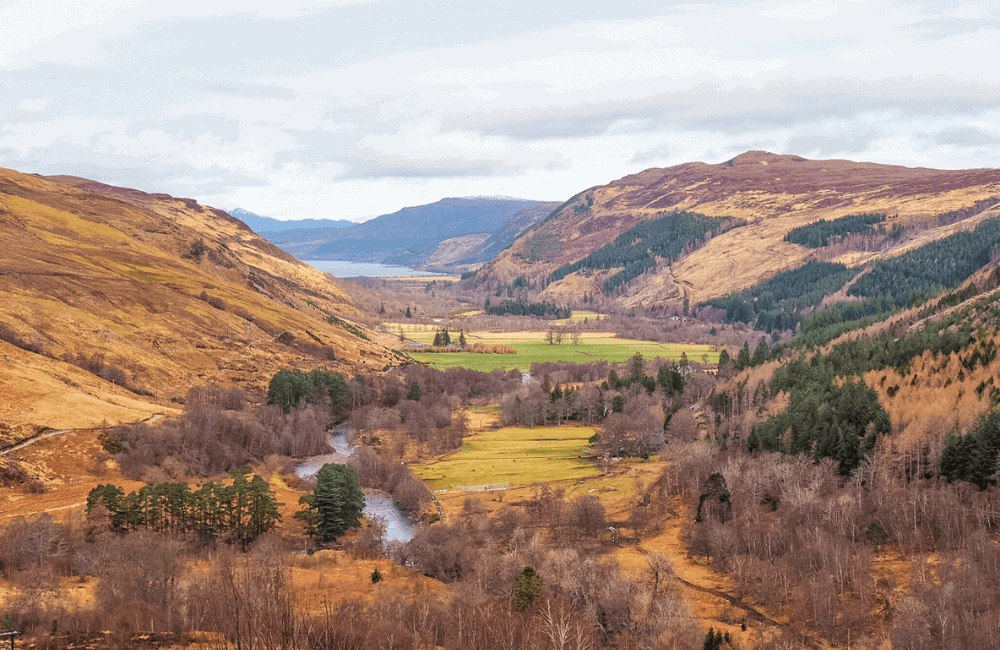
[(814, 10), (309, 108)]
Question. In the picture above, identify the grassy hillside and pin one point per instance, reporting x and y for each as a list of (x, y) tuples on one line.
[(114, 302)]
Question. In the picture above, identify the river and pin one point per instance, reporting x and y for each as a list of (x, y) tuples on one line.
[(378, 504)]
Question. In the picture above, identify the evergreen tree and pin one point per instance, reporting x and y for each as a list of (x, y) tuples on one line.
[(338, 500), (415, 392), (527, 587), (670, 379), (263, 508), (408, 314), (723, 357), (713, 640), (461, 339), (759, 354), (743, 358), (309, 515), (635, 367)]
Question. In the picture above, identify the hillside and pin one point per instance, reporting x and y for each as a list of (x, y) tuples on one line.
[(147, 295), (772, 194), (409, 236)]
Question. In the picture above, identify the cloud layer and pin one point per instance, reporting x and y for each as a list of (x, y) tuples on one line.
[(348, 110)]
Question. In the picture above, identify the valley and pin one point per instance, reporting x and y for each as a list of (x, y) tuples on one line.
[(757, 397)]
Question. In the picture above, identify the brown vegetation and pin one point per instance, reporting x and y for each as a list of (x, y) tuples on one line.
[(110, 279)]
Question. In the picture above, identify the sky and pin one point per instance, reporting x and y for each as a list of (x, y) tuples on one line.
[(352, 109)]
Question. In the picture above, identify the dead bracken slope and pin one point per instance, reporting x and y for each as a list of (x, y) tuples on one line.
[(114, 276), (773, 193)]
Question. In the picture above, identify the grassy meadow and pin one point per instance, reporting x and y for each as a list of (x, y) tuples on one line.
[(532, 348), (513, 456)]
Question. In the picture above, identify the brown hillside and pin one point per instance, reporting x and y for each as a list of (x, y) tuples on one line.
[(773, 193), (87, 269)]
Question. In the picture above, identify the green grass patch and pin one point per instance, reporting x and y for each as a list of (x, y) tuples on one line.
[(532, 347), (514, 456)]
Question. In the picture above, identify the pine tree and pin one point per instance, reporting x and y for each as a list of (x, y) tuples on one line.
[(408, 314), (527, 587), (415, 392), (264, 514), (759, 354), (713, 640), (461, 340), (743, 358), (338, 500), (635, 367), (309, 515), (723, 357)]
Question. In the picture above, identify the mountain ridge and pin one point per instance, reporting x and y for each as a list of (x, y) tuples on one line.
[(772, 193), (262, 225), (410, 235)]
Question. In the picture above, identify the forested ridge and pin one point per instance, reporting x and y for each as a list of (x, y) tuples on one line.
[(668, 237), (818, 234), (941, 264), (779, 303), (791, 299)]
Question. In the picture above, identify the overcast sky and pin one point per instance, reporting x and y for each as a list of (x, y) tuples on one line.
[(348, 110)]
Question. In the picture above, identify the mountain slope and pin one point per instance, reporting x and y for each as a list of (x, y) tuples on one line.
[(773, 194), (408, 236), (260, 224), (149, 292)]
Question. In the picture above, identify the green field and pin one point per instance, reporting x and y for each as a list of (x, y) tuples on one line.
[(533, 348), (513, 456)]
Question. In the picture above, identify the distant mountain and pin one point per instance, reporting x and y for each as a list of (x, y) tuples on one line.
[(260, 224), (517, 224), (411, 235)]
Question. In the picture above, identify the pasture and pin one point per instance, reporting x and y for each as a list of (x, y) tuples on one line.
[(532, 347), (512, 457)]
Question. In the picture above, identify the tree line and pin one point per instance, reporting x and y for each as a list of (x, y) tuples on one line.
[(779, 303), (832, 415), (667, 237), (818, 234), (942, 264), (525, 308), (238, 512)]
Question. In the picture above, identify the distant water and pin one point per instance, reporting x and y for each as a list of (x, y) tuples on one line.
[(342, 269)]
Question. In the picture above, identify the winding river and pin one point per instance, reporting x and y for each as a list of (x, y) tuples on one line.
[(378, 504)]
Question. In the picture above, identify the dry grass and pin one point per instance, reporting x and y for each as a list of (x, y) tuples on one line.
[(96, 273), (513, 456)]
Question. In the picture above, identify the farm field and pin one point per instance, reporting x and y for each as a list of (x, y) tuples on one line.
[(513, 456), (533, 348)]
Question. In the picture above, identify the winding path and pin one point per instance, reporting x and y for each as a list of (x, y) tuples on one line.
[(49, 434)]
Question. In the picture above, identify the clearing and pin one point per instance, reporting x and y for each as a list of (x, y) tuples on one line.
[(513, 456), (532, 348)]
